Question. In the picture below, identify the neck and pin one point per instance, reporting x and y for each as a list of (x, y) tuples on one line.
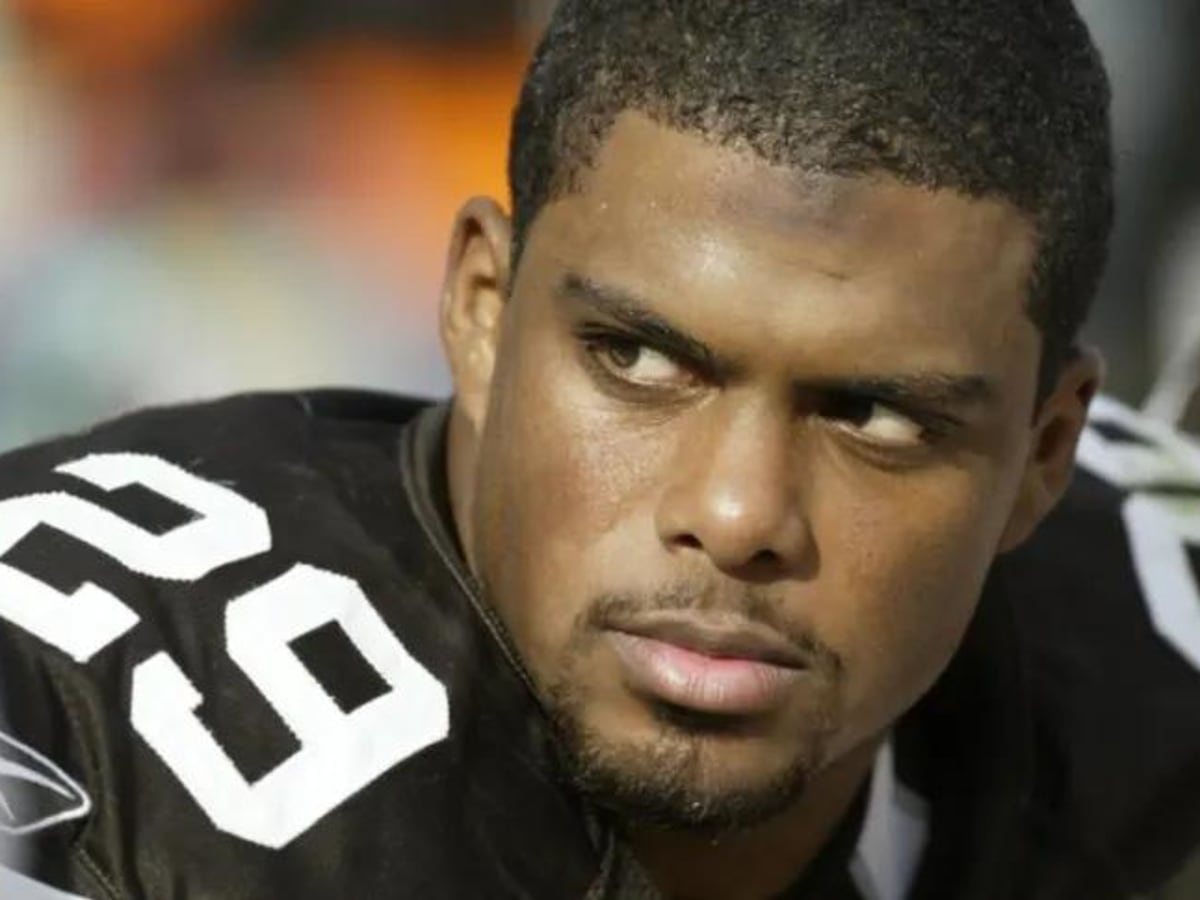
[(461, 447), (760, 862)]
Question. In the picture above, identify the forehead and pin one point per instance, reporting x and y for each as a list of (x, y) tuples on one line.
[(717, 234)]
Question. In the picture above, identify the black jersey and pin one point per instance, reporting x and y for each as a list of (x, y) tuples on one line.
[(241, 657), (237, 665)]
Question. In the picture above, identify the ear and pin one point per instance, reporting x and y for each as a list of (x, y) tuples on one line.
[(1056, 432), (474, 293)]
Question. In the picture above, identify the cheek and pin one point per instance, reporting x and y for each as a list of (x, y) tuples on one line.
[(564, 481), (901, 575)]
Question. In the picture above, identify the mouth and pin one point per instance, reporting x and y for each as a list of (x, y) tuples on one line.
[(709, 664)]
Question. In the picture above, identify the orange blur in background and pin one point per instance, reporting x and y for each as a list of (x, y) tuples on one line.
[(198, 210)]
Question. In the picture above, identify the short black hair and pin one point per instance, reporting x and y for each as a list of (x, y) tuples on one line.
[(1005, 98)]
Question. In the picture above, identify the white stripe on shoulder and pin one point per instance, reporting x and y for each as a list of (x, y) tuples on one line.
[(894, 834), (1167, 456), (15, 886)]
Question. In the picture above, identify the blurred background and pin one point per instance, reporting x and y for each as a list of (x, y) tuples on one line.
[(203, 196)]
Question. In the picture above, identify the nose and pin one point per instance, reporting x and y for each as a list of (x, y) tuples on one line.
[(733, 494)]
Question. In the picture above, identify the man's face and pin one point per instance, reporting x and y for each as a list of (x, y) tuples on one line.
[(748, 446)]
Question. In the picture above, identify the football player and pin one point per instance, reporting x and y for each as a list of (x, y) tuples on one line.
[(747, 560)]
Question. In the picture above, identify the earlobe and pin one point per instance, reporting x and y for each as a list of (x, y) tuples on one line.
[(1051, 460), (474, 294)]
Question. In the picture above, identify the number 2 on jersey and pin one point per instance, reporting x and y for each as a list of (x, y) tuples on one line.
[(227, 528)]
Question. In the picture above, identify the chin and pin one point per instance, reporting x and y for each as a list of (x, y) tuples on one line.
[(686, 772)]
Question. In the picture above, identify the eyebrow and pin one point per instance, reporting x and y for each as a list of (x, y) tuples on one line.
[(921, 388), (927, 389), (633, 313)]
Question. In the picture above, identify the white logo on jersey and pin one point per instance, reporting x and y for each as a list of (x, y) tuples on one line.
[(35, 794)]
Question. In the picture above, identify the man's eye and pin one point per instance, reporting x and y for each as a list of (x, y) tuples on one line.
[(637, 364), (877, 422)]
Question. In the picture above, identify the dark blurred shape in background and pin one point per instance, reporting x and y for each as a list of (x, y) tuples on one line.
[(448, 22), (1148, 313), (202, 196)]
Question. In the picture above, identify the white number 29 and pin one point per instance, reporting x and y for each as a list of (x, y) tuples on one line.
[(340, 753), (1162, 515)]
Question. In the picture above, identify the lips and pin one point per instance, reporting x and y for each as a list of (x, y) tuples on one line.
[(719, 667)]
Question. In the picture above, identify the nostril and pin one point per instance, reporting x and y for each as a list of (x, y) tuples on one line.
[(764, 558), (690, 541)]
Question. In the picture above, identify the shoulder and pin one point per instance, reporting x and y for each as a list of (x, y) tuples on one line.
[(1113, 573), (1107, 606), (165, 498), (250, 428), (123, 549)]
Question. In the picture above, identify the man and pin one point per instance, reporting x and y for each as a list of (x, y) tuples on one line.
[(716, 577)]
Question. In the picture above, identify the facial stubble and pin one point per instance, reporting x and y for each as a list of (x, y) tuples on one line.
[(673, 780)]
